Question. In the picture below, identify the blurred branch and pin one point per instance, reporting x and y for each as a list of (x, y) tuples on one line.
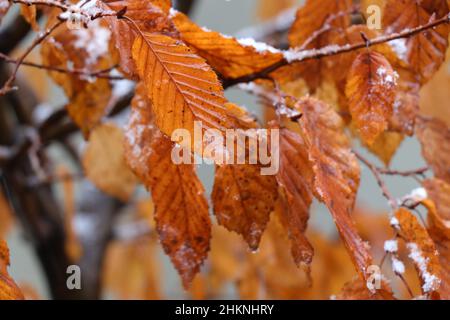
[(13, 34), (185, 6)]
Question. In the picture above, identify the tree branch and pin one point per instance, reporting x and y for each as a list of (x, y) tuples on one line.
[(298, 56)]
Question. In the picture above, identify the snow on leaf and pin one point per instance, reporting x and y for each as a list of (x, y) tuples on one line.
[(232, 58), (371, 92), (425, 51), (422, 250), (149, 16), (438, 205), (87, 50)]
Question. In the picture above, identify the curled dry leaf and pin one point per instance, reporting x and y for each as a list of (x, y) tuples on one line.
[(371, 92), (438, 205), (230, 57), (434, 136), (422, 250), (243, 198), (336, 173), (149, 16), (8, 289), (425, 51), (82, 49), (295, 178), (181, 209), (105, 165), (312, 29)]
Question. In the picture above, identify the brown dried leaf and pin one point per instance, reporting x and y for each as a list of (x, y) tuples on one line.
[(105, 165), (425, 51), (82, 49), (243, 200), (227, 55), (181, 210), (336, 173), (149, 16), (8, 289), (434, 136), (439, 227), (311, 29), (371, 92), (422, 250), (295, 177), (182, 87)]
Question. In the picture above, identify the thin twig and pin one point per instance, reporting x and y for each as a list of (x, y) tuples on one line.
[(41, 36), (296, 56), (94, 74), (375, 171)]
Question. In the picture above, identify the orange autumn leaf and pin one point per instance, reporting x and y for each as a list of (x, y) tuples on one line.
[(148, 16), (336, 172), (424, 51), (371, 92), (312, 29), (295, 177), (181, 209), (104, 162), (232, 58), (182, 87), (438, 205), (243, 200), (8, 289), (422, 250), (434, 136), (82, 49)]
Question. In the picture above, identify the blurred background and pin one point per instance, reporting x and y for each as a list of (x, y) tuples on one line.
[(232, 17)]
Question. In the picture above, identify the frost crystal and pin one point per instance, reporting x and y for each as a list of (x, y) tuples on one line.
[(259, 46), (430, 281), (397, 266), (391, 246)]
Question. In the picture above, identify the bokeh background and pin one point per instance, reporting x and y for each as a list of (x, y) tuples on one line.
[(229, 17)]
